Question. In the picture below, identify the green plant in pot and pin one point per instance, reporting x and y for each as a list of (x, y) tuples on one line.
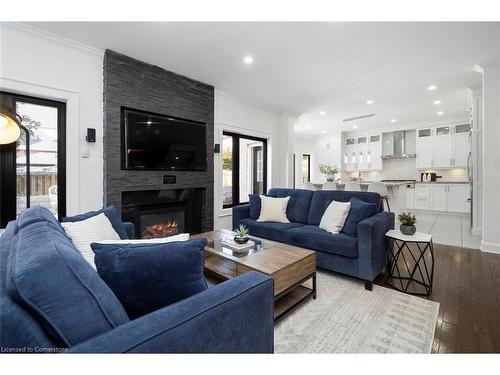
[(408, 222), (241, 234), (329, 170)]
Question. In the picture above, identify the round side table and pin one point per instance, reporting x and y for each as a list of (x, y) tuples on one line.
[(410, 259)]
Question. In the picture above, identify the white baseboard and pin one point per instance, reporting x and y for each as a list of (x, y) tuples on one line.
[(490, 247)]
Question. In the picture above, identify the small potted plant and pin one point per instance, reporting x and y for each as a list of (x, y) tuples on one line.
[(241, 236), (407, 223), (329, 170)]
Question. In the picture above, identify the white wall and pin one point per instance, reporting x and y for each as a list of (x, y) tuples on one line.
[(41, 65), (238, 115)]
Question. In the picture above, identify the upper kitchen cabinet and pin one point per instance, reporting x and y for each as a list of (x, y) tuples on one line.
[(363, 153), (425, 148), (443, 147)]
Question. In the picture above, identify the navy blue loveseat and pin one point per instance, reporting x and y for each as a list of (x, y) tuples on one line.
[(52, 300), (362, 256)]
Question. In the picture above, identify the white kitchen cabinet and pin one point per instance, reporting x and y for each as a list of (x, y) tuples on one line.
[(461, 149), (375, 153), (442, 197), (363, 154), (422, 197), (443, 147), (425, 152), (438, 197), (458, 198)]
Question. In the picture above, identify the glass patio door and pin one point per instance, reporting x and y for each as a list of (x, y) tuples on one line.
[(33, 172)]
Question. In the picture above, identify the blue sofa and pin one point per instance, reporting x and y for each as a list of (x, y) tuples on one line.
[(363, 256), (53, 301)]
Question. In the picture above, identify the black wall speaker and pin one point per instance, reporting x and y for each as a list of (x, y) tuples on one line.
[(90, 135), (217, 148)]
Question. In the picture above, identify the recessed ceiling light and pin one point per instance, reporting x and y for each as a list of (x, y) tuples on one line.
[(322, 112), (369, 101), (354, 127), (436, 102), (306, 127), (393, 120), (323, 132), (432, 87), (248, 60), (440, 113)]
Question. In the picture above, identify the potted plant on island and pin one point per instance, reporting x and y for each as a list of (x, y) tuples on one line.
[(329, 170), (241, 236), (408, 222)]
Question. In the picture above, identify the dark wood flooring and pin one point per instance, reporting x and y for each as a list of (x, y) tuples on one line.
[(467, 287)]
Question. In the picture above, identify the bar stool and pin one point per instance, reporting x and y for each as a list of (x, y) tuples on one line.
[(352, 186), (381, 188), (329, 186)]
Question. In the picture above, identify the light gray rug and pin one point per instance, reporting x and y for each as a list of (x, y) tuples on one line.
[(345, 318)]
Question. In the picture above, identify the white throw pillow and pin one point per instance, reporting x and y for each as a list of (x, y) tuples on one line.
[(334, 217), (273, 209), (93, 229), (177, 237)]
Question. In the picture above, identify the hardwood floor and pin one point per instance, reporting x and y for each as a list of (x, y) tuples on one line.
[(467, 287)]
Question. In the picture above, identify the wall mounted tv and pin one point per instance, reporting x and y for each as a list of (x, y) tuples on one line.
[(152, 141)]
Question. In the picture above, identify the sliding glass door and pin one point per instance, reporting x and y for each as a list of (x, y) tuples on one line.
[(33, 173)]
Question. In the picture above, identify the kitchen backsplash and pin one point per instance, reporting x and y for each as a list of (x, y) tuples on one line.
[(405, 168)]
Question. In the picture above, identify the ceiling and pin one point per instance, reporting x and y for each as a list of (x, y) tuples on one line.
[(305, 67)]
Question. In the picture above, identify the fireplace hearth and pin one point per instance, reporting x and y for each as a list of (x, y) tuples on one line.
[(164, 213)]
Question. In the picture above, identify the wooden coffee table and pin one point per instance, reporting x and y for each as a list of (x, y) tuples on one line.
[(289, 266)]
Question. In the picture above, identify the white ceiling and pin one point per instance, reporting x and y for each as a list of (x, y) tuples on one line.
[(307, 67)]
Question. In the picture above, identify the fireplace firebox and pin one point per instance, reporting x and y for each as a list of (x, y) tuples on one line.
[(164, 213)]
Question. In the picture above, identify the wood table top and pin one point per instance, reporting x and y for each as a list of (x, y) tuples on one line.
[(276, 256)]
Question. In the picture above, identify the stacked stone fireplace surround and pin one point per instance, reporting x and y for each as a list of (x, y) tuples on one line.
[(134, 84)]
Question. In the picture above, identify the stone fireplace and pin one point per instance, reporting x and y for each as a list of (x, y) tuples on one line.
[(158, 202), (164, 213)]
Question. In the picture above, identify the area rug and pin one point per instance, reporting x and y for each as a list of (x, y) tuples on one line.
[(346, 318)]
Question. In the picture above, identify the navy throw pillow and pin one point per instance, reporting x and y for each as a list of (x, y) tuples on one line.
[(360, 210), (255, 205), (147, 277), (110, 213)]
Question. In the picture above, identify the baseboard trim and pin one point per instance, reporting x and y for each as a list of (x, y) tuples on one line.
[(490, 247)]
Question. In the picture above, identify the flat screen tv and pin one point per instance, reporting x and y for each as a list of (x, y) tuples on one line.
[(158, 142)]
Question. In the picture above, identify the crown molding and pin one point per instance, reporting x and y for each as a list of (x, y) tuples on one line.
[(53, 37)]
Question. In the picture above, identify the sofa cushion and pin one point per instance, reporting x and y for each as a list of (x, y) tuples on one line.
[(110, 213), (47, 275), (147, 277), (273, 209), (298, 206), (321, 200), (314, 238), (37, 214), (270, 230), (254, 205), (84, 232), (360, 211)]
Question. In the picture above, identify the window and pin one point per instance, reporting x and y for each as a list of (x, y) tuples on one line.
[(306, 168), (34, 176), (244, 168)]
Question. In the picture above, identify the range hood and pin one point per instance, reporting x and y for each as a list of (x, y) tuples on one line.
[(398, 144)]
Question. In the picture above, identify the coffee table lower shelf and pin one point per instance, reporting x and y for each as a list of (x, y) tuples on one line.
[(284, 302)]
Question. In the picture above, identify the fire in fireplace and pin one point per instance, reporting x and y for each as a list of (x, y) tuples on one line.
[(169, 228)]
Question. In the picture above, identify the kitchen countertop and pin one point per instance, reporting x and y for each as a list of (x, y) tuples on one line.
[(387, 183), (442, 182)]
